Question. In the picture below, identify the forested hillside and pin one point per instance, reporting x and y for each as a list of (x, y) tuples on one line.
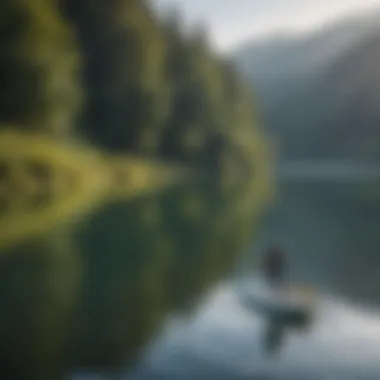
[(114, 74), (320, 93), (39, 63)]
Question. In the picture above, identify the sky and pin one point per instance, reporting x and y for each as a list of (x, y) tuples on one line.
[(231, 22)]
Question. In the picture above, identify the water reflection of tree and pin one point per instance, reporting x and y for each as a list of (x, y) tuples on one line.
[(95, 298), (38, 287), (150, 257)]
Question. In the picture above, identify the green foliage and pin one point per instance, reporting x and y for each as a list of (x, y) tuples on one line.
[(212, 122), (123, 73), (149, 88), (153, 90), (38, 63)]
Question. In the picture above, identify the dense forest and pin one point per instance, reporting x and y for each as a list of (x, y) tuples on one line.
[(114, 74)]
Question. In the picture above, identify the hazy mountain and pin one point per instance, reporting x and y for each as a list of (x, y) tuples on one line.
[(320, 93)]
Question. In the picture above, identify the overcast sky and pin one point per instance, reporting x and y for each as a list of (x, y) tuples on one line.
[(234, 21)]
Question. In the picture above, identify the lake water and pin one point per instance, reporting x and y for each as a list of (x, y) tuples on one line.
[(330, 231), (146, 289)]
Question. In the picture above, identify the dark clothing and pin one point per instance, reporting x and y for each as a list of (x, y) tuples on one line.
[(273, 265)]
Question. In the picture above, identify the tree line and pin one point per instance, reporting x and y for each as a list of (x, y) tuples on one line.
[(114, 73)]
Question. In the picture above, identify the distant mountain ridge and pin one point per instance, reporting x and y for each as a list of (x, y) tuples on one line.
[(320, 94)]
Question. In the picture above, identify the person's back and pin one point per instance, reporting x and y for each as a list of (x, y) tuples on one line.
[(274, 265)]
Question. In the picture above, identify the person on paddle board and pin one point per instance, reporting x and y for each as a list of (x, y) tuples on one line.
[(274, 265)]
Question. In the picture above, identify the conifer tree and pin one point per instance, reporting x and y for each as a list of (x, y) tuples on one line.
[(123, 73), (38, 67)]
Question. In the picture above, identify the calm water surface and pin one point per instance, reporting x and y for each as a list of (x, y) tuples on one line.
[(330, 231), (146, 289)]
